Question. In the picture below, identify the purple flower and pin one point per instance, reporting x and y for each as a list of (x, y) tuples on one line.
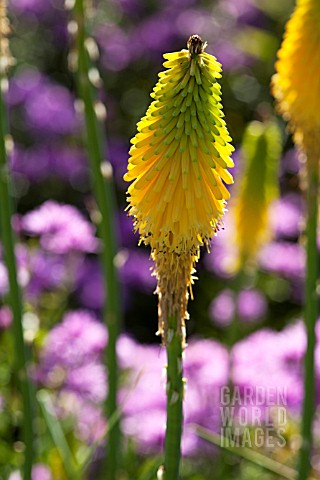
[(24, 84), (48, 107), (118, 153), (223, 259), (231, 57), (115, 47), (244, 11), (39, 472), (91, 293), (284, 258), (78, 339), (31, 6), (71, 357), (51, 110), (3, 279), (89, 381), (206, 369), (127, 237), (47, 272), (91, 424), (290, 163), (251, 305), (70, 364), (222, 308), (286, 216), (135, 270), (62, 228), (5, 317), (274, 362), (23, 272), (37, 164)]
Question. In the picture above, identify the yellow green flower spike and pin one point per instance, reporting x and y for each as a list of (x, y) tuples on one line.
[(178, 164), (178, 169), (295, 86), (180, 155), (296, 89)]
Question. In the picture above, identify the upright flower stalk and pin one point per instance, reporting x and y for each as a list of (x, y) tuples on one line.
[(102, 182), (8, 245), (178, 166), (296, 89), (256, 188)]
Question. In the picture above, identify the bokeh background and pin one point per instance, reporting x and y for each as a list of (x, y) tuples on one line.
[(247, 312)]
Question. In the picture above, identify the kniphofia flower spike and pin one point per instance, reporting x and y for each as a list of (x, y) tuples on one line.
[(178, 168), (296, 88)]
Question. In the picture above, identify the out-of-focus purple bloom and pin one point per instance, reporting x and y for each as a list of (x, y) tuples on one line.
[(37, 164), (155, 33), (39, 472), (62, 228), (290, 162), (47, 272), (71, 364), (48, 106), (284, 258), (251, 305), (91, 424), (24, 84), (127, 237), (222, 308), (144, 400), (71, 357), (274, 362), (38, 271), (5, 317), (135, 270), (77, 340), (91, 293), (3, 279), (223, 259), (88, 381), (243, 11), (118, 153), (134, 8), (51, 110), (193, 20), (115, 47), (31, 6), (286, 215), (23, 271), (230, 56)]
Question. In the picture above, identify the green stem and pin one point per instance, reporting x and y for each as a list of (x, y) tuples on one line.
[(174, 399), (233, 330), (15, 300), (311, 313), (104, 194), (57, 434)]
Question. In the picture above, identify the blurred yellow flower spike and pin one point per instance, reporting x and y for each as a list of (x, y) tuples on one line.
[(257, 188), (296, 88), (296, 85), (178, 168), (6, 60)]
